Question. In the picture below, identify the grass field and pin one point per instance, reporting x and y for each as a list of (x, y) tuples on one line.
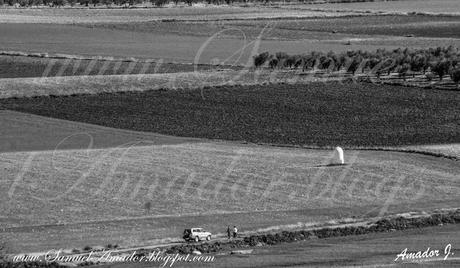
[(19, 133), (97, 193), (73, 85), (71, 16), (316, 114)]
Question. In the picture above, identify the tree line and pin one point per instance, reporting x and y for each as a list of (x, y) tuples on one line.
[(440, 61), (126, 3)]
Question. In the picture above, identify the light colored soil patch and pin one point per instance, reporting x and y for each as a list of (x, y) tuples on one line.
[(68, 85), (70, 16), (85, 185)]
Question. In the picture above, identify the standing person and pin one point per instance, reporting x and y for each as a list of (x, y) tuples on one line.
[(229, 233), (235, 232)]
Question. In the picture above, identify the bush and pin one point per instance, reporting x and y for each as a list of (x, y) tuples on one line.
[(260, 59), (403, 70), (455, 76), (148, 206), (273, 63), (280, 56), (441, 68), (290, 61), (159, 3), (429, 76)]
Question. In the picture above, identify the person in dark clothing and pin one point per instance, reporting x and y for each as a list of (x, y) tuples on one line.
[(229, 233), (235, 232)]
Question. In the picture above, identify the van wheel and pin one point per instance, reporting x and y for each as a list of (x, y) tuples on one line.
[(208, 238), (197, 239)]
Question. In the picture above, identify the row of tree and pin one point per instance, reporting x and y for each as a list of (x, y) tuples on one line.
[(440, 61), (159, 3)]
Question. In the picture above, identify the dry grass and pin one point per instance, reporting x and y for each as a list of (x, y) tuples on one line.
[(100, 194), (68, 186), (69, 85), (71, 16)]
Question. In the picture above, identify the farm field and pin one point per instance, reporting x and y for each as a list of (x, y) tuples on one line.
[(304, 28), (280, 114), (26, 66), (231, 49), (98, 84), (87, 191), (19, 132), (72, 16), (402, 7), (124, 126)]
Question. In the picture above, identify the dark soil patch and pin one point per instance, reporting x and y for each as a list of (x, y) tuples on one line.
[(22, 66), (318, 114)]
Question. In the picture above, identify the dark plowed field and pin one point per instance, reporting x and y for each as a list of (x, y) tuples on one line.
[(316, 114)]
